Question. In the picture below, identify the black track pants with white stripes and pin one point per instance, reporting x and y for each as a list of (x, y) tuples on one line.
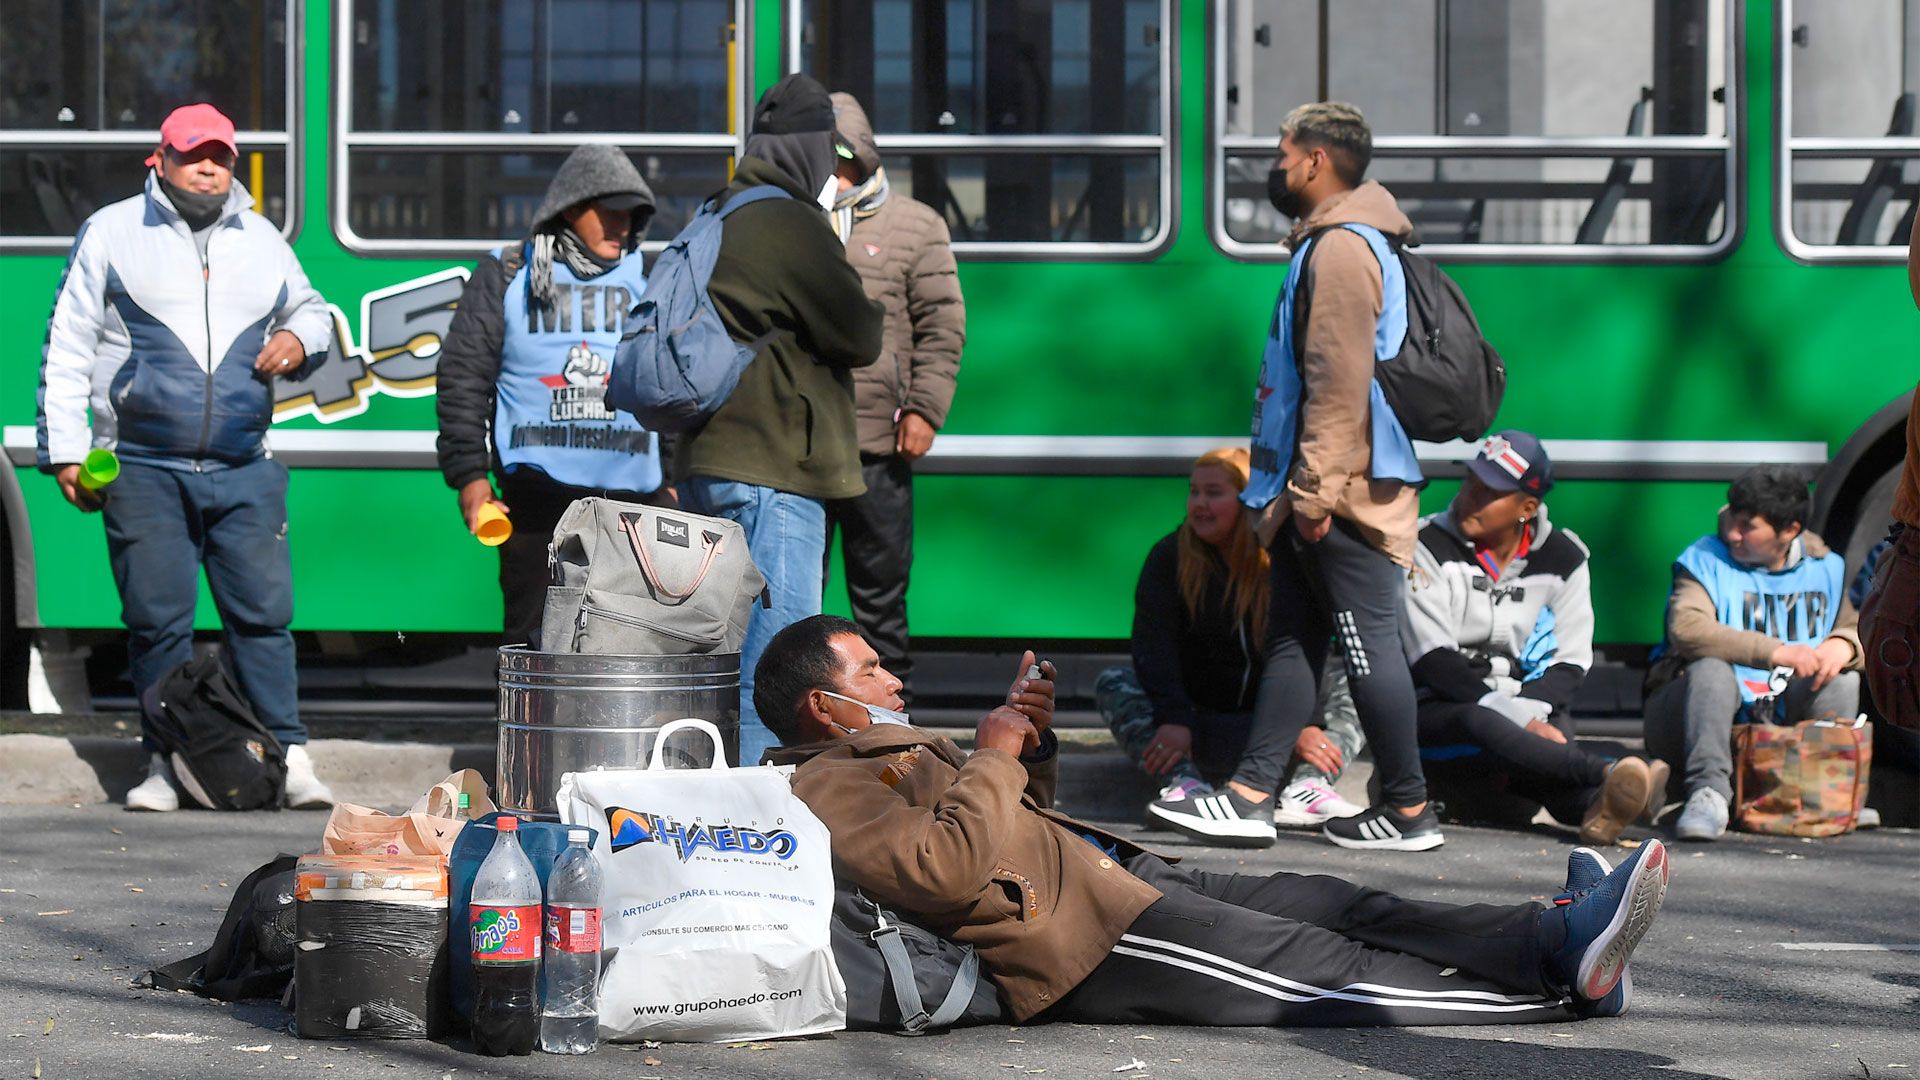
[(1341, 585), (1237, 950)]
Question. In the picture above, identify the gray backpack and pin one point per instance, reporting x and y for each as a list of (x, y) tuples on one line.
[(641, 580)]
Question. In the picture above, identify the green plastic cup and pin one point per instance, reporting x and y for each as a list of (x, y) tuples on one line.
[(99, 470)]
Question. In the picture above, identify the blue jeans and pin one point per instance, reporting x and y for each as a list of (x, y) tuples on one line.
[(162, 526), (787, 537)]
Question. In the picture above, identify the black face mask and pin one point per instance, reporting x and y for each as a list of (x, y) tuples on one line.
[(1288, 202), (196, 209)]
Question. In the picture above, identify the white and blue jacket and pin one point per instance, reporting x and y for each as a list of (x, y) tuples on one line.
[(160, 346)]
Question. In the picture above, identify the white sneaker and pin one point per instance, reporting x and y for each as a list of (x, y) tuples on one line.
[(304, 789), (156, 792), (1311, 802), (1704, 817), (1867, 818)]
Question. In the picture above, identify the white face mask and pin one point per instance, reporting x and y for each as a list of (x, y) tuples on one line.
[(875, 714), (827, 194)]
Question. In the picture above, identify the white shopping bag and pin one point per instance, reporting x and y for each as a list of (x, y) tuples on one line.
[(718, 898)]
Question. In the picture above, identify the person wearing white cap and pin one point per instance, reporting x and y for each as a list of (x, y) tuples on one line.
[(178, 308)]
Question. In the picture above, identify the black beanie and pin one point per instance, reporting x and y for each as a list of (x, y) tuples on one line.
[(797, 103)]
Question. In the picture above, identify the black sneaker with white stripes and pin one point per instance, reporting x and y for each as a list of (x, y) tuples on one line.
[(1387, 830), (1223, 818)]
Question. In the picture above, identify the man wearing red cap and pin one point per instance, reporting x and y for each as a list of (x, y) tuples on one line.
[(177, 310)]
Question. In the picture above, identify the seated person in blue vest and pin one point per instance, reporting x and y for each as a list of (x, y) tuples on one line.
[(522, 377), (1182, 710), (1499, 633), (1076, 924), (1761, 597)]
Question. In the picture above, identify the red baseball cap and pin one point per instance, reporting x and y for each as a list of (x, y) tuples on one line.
[(191, 126)]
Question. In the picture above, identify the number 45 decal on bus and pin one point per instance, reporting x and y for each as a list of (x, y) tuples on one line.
[(402, 328)]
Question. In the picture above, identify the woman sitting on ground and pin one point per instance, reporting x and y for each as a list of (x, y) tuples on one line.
[(1499, 634), (1183, 709)]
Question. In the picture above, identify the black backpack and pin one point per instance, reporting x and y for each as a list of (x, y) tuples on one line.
[(222, 755), (252, 954), (895, 971), (1447, 381)]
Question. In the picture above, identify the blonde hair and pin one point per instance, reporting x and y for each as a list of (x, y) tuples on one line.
[(1337, 128), (1241, 557)]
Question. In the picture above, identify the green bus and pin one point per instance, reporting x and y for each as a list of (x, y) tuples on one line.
[(1680, 221)]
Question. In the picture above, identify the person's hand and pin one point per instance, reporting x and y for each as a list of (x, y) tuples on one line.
[(1546, 731), (1833, 654), (913, 436), (281, 354), (476, 494), (1033, 698), (1802, 659), (1312, 530), (85, 501), (1172, 744), (1317, 750), (1007, 729)]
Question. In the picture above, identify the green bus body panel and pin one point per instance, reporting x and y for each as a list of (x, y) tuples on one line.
[(1754, 347)]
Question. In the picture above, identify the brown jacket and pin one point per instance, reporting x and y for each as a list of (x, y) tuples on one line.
[(1336, 366), (971, 844), (905, 257), (1694, 629)]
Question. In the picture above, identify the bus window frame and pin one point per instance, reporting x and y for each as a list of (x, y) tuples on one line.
[(1845, 148), (287, 141), (344, 141), (1167, 143), (1732, 146)]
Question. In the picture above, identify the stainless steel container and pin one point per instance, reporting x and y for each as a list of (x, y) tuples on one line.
[(570, 712)]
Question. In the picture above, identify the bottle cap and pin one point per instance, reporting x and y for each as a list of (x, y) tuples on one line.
[(576, 836), (508, 823)]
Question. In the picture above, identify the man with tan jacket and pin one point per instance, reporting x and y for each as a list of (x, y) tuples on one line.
[(1759, 629), (1074, 923), (902, 249), (1336, 487)]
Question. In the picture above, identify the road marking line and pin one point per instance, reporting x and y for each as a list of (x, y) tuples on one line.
[(1845, 946)]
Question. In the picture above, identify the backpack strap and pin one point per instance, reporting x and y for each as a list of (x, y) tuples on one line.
[(757, 193), (914, 1018), (629, 524), (961, 995)]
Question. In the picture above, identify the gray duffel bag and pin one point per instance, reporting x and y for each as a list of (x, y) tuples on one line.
[(641, 580)]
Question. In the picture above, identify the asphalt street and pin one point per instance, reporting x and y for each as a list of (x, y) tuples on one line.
[(1739, 978)]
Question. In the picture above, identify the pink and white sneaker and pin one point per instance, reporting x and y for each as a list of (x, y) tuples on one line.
[(1311, 802)]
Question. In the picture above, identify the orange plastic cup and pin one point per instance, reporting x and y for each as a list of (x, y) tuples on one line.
[(99, 469), (493, 528)]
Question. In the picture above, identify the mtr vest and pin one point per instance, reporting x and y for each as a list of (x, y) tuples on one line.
[(551, 409)]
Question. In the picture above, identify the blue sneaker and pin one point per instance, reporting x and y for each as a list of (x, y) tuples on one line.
[(1585, 869), (1605, 921)]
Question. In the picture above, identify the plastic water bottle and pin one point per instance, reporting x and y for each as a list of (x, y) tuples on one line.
[(505, 920), (570, 988)]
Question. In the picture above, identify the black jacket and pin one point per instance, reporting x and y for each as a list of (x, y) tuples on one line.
[(1211, 662)]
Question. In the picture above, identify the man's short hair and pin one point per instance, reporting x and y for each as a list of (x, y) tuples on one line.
[(799, 659), (1340, 130), (1775, 492)]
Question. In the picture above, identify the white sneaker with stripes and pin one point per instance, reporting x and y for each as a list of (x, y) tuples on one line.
[(1387, 830), (1311, 802), (1222, 818)]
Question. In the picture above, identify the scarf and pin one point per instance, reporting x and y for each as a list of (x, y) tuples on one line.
[(859, 202), (583, 263)]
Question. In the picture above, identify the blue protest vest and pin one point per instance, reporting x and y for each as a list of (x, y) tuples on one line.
[(1798, 605), (551, 398), (1276, 402)]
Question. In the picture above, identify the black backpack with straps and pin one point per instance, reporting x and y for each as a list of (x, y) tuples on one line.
[(222, 755), (905, 978), (1447, 380)]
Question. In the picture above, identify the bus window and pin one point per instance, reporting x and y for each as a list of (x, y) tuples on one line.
[(1509, 130), (84, 87), (455, 113), (1849, 74), (1036, 127)]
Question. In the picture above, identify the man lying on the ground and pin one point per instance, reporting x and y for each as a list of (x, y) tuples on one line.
[(1076, 923)]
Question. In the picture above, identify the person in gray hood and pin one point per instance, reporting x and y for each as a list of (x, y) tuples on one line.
[(903, 252), (522, 378)]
